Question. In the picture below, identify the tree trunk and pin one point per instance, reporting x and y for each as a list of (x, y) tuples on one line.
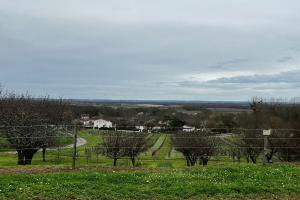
[(188, 162), (20, 157), (192, 160), (25, 156), (29, 155), (247, 157), (133, 161), (269, 157), (204, 161), (115, 161), (253, 159), (44, 154)]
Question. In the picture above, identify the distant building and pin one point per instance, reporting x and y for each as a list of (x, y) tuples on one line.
[(85, 117), (188, 128), (88, 124), (156, 128), (140, 128), (101, 123)]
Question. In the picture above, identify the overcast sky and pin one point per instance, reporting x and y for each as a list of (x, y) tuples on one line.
[(151, 49)]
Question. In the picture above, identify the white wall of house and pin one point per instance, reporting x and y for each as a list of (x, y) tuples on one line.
[(140, 128), (156, 128), (188, 128), (88, 123), (101, 123)]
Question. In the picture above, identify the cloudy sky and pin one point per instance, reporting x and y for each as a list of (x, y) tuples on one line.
[(151, 49)]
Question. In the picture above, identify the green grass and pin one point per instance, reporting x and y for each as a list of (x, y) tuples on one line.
[(64, 140), (161, 177), (247, 182), (4, 145), (164, 151)]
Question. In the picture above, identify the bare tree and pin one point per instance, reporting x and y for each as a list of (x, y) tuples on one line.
[(287, 144), (125, 144), (136, 143), (271, 114), (26, 119), (194, 146), (113, 145), (252, 144)]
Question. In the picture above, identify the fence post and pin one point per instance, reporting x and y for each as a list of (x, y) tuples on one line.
[(266, 134), (74, 147)]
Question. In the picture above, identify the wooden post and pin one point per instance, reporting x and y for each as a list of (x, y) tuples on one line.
[(266, 134), (74, 147)]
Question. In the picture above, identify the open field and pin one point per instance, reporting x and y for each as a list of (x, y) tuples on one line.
[(161, 173), (160, 154), (247, 182)]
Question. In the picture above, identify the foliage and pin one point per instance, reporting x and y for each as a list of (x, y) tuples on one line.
[(176, 123)]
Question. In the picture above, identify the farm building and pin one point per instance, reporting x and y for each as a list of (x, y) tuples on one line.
[(101, 123), (88, 124), (140, 128), (188, 128)]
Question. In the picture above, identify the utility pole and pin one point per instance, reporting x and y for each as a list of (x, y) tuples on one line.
[(74, 147)]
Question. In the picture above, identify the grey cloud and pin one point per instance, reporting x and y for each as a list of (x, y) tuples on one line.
[(285, 80), (284, 77), (116, 49), (284, 59), (227, 64)]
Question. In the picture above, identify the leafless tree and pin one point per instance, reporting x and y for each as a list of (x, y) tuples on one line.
[(194, 146), (26, 120), (276, 115), (136, 143), (252, 144), (113, 145), (125, 144), (287, 144)]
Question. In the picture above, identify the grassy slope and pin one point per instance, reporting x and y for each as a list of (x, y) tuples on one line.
[(154, 183), (231, 182)]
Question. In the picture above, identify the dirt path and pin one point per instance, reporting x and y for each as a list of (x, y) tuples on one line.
[(80, 142), (155, 152)]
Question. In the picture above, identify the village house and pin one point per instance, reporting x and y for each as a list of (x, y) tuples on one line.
[(140, 128), (88, 124), (85, 117), (187, 128), (101, 123)]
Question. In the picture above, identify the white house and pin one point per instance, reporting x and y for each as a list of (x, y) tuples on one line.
[(88, 124), (101, 123), (188, 128), (140, 128), (156, 128), (85, 117)]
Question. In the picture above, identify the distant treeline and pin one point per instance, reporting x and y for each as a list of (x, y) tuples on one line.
[(205, 104)]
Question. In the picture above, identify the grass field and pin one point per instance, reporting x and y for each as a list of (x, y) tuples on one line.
[(162, 176), (247, 182)]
